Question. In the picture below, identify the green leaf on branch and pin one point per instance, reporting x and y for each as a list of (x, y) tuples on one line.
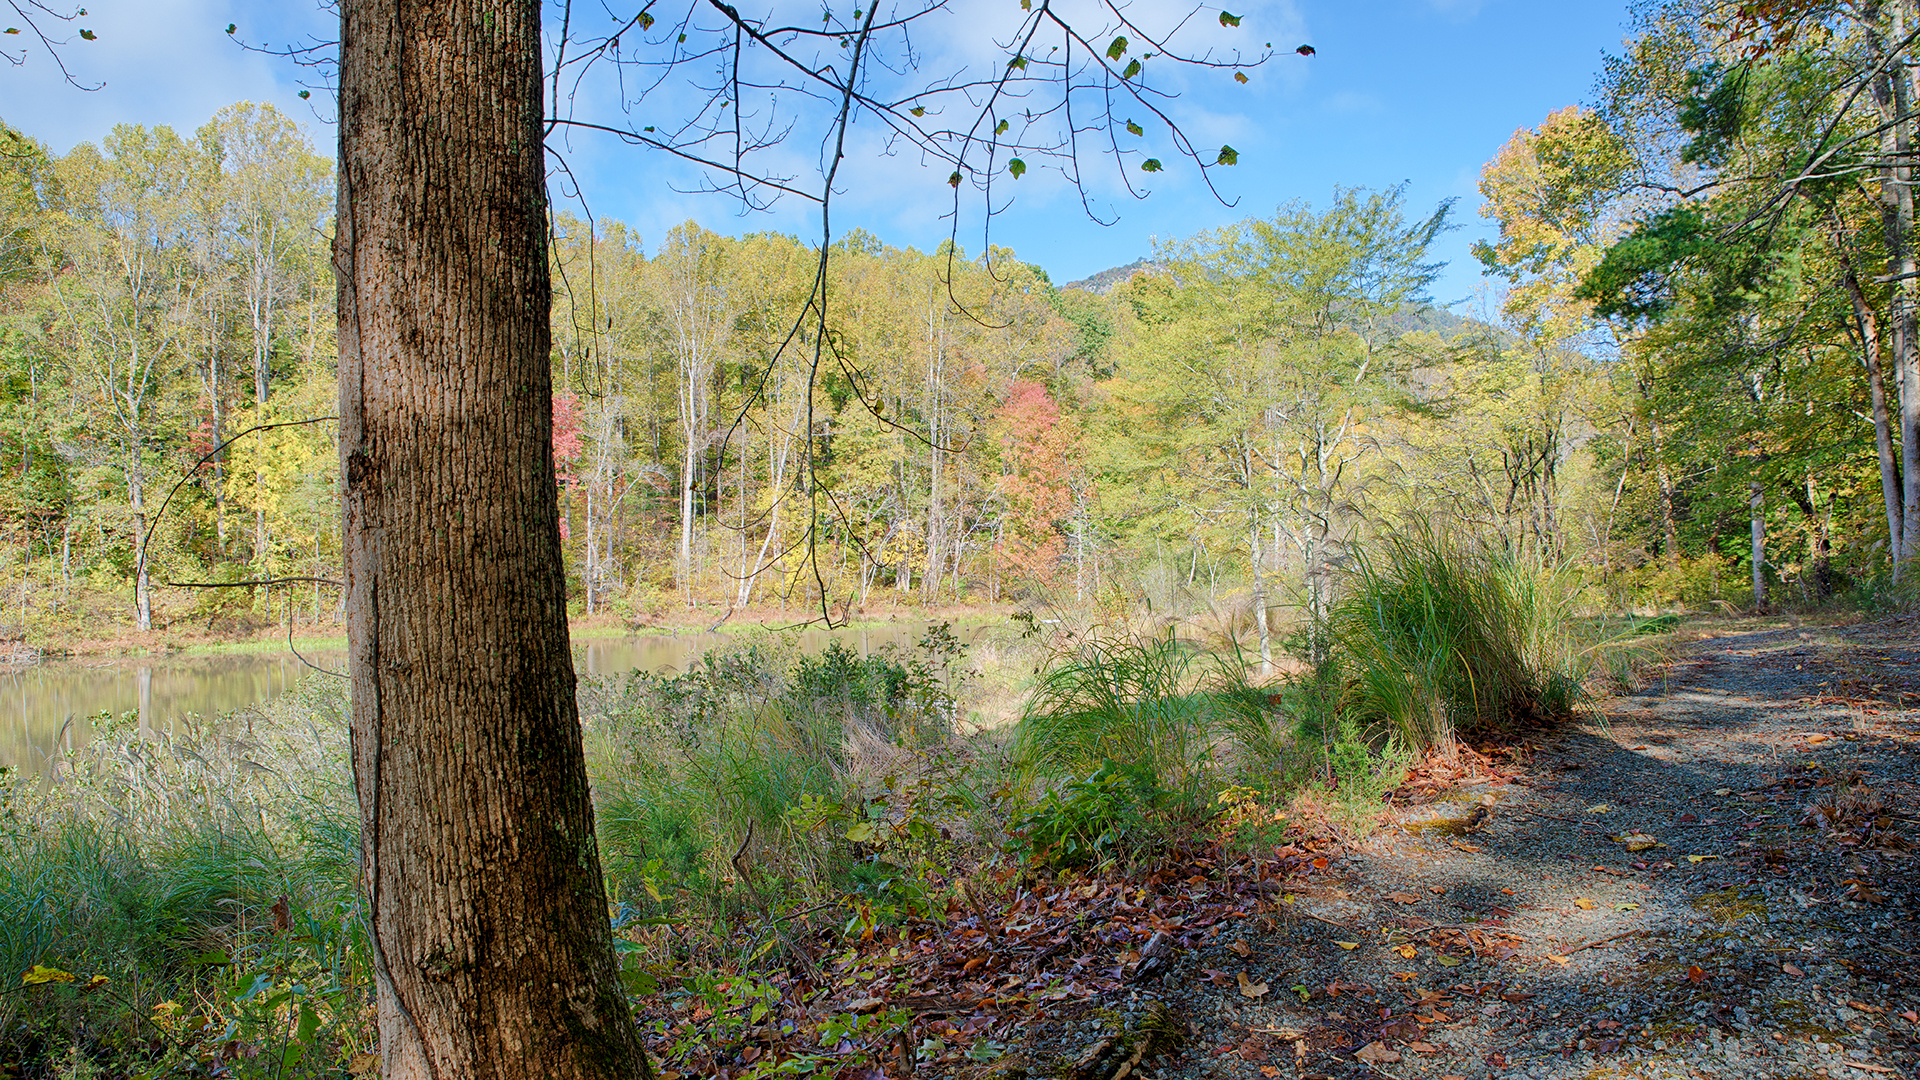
[(1118, 49), (87, 35), (1228, 156), (1229, 20), (1000, 128), (1133, 68), (37, 975), (646, 20), (954, 179), (1152, 164), (918, 110), (1016, 167), (1135, 129), (1240, 77), (231, 27), (1018, 62)]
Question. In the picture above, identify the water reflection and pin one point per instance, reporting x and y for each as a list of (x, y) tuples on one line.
[(50, 704)]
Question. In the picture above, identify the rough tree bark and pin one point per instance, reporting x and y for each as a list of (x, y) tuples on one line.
[(491, 943)]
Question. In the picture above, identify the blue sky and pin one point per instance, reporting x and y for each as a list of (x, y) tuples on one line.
[(1420, 92)]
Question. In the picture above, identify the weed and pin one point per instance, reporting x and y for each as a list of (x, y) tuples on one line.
[(1158, 704), (1436, 636), (1116, 810)]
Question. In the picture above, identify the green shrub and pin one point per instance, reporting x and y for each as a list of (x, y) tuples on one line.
[(751, 768), (1157, 703), (1113, 813)]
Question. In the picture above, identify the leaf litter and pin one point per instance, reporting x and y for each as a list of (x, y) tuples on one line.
[(1784, 942)]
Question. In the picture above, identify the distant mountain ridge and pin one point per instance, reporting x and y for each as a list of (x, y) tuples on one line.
[(1106, 281)]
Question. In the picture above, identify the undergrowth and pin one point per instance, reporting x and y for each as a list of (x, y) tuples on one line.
[(183, 903), (186, 903)]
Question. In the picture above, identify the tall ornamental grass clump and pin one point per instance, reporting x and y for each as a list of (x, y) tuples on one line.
[(1437, 637)]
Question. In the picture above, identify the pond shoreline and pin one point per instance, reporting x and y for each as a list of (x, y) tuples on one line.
[(124, 642)]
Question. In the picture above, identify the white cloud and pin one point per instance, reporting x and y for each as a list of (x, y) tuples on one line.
[(160, 62)]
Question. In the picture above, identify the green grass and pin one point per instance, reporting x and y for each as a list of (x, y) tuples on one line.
[(1159, 703), (1126, 741), (212, 868), (1436, 637), (761, 777), (266, 645)]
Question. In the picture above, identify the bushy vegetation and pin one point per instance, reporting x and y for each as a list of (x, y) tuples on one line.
[(187, 903)]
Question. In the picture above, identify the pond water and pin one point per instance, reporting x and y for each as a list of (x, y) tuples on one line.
[(50, 704)]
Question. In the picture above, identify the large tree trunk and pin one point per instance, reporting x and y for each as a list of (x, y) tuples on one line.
[(492, 950), (1757, 505)]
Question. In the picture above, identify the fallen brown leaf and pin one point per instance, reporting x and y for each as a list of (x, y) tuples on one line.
[(1239, 947), (1423, 1047), (1583, 903), (1403, 897), (1376, 1053), (1249, 988), (1793, 971)]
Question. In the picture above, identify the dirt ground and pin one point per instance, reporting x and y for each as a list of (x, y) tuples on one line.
[(1718, 880)]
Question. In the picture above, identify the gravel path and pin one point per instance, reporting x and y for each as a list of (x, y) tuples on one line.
[(1719, 881)]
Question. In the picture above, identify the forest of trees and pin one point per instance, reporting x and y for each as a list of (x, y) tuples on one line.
[(1700, 384)]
